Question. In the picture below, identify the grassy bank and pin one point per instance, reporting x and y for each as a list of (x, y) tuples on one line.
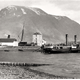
[(24, 72)]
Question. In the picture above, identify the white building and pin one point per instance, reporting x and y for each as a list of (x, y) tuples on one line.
[(8, 42), (37, 39)]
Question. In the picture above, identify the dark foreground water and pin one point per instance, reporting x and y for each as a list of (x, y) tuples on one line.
[(67, 64)]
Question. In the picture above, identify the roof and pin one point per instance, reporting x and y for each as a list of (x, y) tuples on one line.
[(7, 40), (37, 33)]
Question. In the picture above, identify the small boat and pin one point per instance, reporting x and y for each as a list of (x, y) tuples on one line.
[(20, 49), (6, 50)]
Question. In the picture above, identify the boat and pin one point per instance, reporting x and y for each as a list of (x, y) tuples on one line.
[(6, 50), (20, 49), (57, 49), (61, 49), (27, 47)]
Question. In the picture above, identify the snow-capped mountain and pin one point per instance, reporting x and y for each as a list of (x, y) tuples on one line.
[(19, 11), (53, 28)]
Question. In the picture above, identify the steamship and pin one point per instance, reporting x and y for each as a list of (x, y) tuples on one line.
[(65, 48)]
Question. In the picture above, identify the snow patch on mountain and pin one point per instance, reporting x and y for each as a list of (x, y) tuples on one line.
[(14, 14), (35, 10), (18, 15), (57, 17), (23, 11), (11, 7)]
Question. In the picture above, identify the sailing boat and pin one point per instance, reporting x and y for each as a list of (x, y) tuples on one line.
[(21, 43), (25, 46)]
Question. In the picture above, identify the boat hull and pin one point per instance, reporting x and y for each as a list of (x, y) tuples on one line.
[(65, 49), (74, 50), (57, 50)]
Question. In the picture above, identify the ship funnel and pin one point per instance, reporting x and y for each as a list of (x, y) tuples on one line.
[(75, 37), (66, 39), (8, 36)]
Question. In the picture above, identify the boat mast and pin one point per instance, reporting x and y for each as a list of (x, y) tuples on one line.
[(22, 33)]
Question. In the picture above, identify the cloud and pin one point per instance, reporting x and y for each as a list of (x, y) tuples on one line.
[(4, 3), (69, 8), (74, 15), (68, 4), (48, 7)]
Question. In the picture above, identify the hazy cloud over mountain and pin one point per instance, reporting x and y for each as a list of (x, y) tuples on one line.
[(70, 8)]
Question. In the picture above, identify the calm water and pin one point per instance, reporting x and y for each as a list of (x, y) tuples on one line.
[(37, 57), (63, 64)]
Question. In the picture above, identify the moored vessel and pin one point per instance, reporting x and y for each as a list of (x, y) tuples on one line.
[(57, 49)]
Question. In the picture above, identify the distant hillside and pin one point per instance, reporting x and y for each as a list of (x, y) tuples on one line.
[(53, 28)]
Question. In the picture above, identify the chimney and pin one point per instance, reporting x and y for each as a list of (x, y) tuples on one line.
[(8, 37), (66, 39), (75, 36)]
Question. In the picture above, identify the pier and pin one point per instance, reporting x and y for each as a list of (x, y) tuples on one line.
[(22, 64)]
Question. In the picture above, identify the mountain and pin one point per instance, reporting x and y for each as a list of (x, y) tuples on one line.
[(52, 27)]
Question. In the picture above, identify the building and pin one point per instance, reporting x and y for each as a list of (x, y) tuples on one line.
[(37, 39), (8, 42)]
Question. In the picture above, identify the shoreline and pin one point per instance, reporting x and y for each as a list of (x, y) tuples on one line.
[(25, 72)]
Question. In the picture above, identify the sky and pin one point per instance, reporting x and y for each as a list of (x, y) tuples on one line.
[(69, 8)]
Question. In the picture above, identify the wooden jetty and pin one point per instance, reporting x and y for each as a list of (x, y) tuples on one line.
[(21, 64)]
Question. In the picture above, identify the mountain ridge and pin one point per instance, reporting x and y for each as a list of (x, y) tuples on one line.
[(52, 27)]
